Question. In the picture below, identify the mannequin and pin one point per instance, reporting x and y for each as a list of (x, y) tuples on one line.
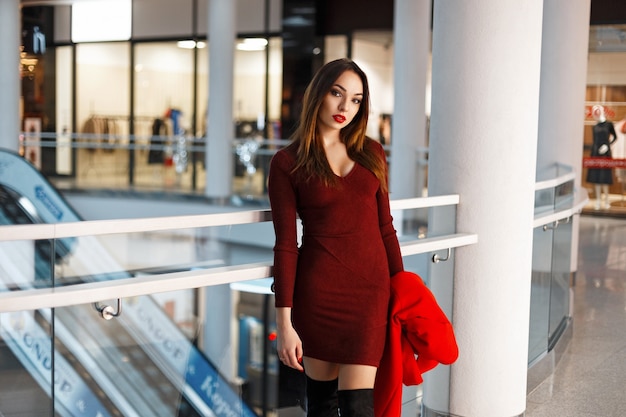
[(603, 137)]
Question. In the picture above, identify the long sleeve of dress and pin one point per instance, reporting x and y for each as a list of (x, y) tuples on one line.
[(387, 230), (282, 197)]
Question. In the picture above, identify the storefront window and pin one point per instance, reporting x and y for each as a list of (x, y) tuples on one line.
[(256, 112), (606, 100), (102, 114), (163, 114)]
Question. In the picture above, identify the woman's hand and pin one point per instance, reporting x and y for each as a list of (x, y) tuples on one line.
[(289, 347)]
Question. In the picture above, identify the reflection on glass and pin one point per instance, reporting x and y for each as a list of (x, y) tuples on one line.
[(26, 365), (560, 285), (549, 310), (142, 363), (544, 200), (564, 195), (540, 293), (124, 255)]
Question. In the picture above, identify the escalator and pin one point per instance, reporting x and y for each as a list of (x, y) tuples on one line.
[(140, 364)]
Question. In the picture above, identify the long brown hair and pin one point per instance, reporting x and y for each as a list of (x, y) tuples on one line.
[(310, 155)]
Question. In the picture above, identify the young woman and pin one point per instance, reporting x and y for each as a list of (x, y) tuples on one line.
[(332, 292)]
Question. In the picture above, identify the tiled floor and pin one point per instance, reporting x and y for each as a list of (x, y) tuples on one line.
[(590, 379)]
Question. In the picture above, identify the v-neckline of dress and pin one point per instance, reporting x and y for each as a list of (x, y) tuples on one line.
[(348, 173)]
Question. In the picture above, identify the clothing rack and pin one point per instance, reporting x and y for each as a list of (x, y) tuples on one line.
[(123, 117)]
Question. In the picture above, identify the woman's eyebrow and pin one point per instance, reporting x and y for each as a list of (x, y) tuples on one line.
[(344, 90)]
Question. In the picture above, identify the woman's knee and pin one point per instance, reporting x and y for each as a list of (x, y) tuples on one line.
[(352, 377), (320, 370)]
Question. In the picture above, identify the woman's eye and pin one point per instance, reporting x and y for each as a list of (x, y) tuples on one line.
[(356, 101), (335, 93)]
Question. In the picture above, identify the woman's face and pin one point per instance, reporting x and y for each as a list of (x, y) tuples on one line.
[(341, 103)]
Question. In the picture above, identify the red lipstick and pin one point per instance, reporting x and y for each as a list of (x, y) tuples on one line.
[(339, 118)]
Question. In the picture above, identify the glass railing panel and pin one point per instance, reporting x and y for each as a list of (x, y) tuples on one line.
[(26, 365), (26, 264), (555, 194), (434, 221), (26, 351), (170, 319), (441, 221), (150, 334), (247, 243), (419, 264), (544, 200), (268, 384), (554, 189), (141, 362), (541, 283), (560, 283), (564, 195), (124, 255), (411, 224)]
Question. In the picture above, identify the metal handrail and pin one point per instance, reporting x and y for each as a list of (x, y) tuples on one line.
[(94, 292), (153, 224), (580, 201)]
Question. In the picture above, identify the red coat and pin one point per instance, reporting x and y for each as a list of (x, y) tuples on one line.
[(417, 326)]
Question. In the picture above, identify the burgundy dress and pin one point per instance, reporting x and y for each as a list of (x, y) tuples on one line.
[(338, 281)]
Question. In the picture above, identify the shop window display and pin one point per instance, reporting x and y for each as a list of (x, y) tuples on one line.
[(167, 76), (604, 163)]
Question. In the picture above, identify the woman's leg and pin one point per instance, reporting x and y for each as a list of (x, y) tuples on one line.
[(321, 388), (322, 399), (356, 393), (356, 376), (356, 402)]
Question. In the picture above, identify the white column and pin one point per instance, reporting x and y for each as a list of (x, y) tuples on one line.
[(565, 45), (216, 340), (408, 123), (483, 144), (220, 125), (10, 19)]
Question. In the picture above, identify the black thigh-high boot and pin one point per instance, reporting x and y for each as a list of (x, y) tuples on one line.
[(321, 398), (356, 403)]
